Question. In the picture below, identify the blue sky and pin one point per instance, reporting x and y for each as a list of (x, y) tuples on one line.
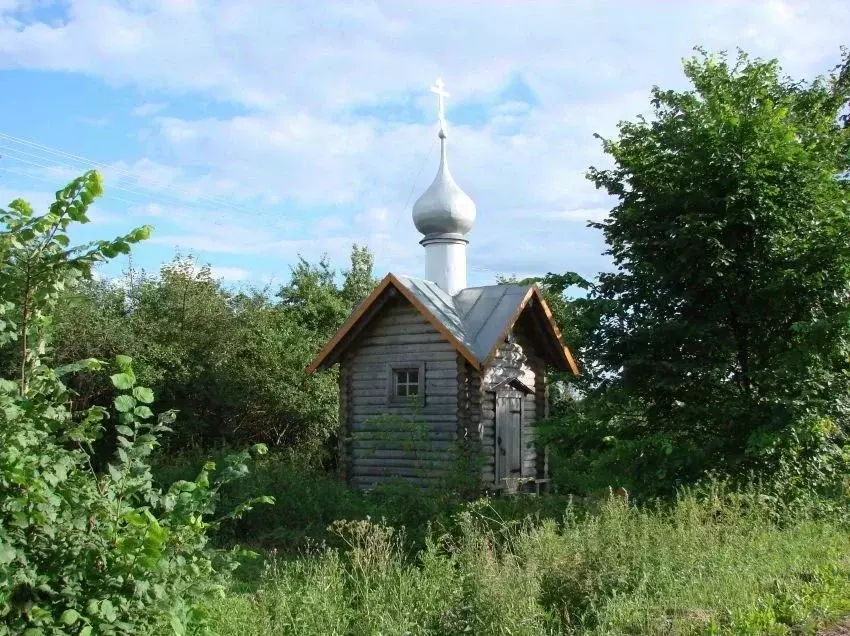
[(248, 133)]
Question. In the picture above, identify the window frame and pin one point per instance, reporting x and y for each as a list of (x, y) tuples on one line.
[(392, 370)]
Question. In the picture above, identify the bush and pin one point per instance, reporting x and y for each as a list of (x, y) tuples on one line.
[(100, 553), (80, 550), (712, 562)]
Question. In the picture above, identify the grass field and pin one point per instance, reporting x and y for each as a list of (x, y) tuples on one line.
[(710, 563)]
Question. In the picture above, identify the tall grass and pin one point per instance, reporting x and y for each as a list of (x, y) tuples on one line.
[(712, 562)]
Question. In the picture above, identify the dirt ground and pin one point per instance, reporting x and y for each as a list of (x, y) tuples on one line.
[(839, 629)]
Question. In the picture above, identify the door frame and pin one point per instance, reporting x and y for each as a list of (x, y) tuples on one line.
[(506, 394)]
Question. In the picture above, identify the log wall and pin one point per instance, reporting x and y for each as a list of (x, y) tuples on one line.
[(387, 439)]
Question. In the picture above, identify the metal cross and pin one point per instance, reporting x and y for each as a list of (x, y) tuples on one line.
[(439, 89)]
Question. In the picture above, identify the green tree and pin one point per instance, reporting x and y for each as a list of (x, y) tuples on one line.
[(723, 337), (359, 280), (233, 363), (83, 551), (37, 264)]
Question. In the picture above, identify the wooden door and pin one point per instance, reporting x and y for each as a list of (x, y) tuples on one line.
[(508, 435)]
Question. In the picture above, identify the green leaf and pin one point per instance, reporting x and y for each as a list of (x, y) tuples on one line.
[(124, 430), (143, 394), (123, 362), (177, 625), (143, 412), (140, 234), (69, 617), (108, 610), (7, 386), (135, 518), (122, 381), (124, 403), (89, 364), (7, 553)]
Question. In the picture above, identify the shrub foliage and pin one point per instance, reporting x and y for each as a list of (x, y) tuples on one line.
[(82, 551), (720, 341)]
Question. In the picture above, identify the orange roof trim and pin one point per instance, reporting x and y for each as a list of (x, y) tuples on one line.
[(391, 281)]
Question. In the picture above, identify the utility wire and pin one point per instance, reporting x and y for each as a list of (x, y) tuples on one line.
[(426, 156), (64, 166), (29, 175), (151, 197), (127, 173)]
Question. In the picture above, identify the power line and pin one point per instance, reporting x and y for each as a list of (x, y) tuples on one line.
[(151, 198), (65, 166), (29, 175), (107, 195), (127, 173), (426, 156)]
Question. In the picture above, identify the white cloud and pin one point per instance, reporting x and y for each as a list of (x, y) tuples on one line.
[(298, 71), (148, 108), (330, 224), (576, 214), (38, 199), (96, 122), (230, 273)]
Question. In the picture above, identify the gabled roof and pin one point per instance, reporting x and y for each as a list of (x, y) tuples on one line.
[(475, 320)]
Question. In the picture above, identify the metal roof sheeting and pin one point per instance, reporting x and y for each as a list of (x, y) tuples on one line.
[(478, 317), (474, 320)]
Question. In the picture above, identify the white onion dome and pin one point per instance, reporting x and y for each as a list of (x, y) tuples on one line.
[(444, 208)]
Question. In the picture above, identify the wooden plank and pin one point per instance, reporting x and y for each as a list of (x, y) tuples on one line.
[(424, 429), (370, 481), (376, 420), (432, 402), (395, 471), (405, 357), (373, 388), (390, 328), (367, 412), (343, 458), (515, 432), (373, 356), (402, 315), (351, 322), (444, 453), (405, 340), (377, 348), (438, 325), (433, 376), (381, 445), (501, 466), (366, 384), (366, 436), (433, 463), (367, 391)]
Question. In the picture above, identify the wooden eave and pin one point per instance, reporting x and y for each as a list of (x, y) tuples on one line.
[(367, 310), (533, 301), (559, 353)]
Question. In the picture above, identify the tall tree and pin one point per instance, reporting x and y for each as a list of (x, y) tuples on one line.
[(727, 316), (360, 279)]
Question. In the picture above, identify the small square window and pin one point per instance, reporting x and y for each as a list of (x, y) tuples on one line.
[(405, 383)]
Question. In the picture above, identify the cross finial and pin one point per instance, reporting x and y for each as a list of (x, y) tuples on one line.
[(439, 89)]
